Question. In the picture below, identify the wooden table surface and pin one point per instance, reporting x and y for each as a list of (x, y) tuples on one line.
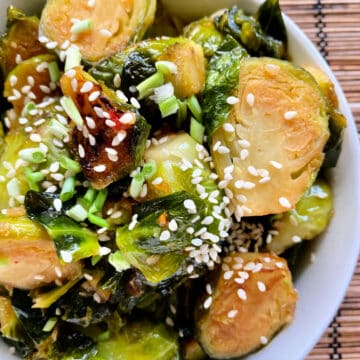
[(334, 27)]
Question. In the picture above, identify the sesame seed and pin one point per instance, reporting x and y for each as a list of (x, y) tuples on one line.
[(70, 73), (173, 226), (157, 181), (94, 95), (232, 100), (18, 58), (57, 176), (66, 256), (164, 235), (91, 3), (105, 32), (110, 123), (35, 137), (252, 171), (289, 115), (104, 251), (279, 264), (228, 128), (250, 99), (45, 89), (207, 302), (87, 86), (43, 39), (196, 242), (225, 267), (190, 269), (228, 275), (275, 164), (232, 313), (265, 180), (117, 80), (134, 103), (100, 168), (296, 239), (119, 137), (284, 202), (207, 220), (74, 84), (216, 145), (189, 204), (223, 149), (57, 203), (249, 266), (39, 277), (97, 298), (190, 230), (261, 286), (128, 118), (244, 153), (13, 80), (272, 68), (99, 111), (51, 45), (241, 294), (42, 66)]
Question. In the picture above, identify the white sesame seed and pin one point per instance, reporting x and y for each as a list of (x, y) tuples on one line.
[(244, 153), (164, 235), (190, 269), (261, 286), (279, 264), (272, 68), (228, 127), (57, 177), (216, 145), (35, 137), (66, 256), (118, 139), (232, 313), (105, 32), (207, 302), (99, 111), (249, 266), (104, 251), (91, 3), (86, 87), (196, 242), (100, 168), (250, 99), (265, 180), (275, 164), (284, 202), (173, 226), (57, 204), (94, 95), (45, 89), (228, 275), (241, 294), (70, 73), (51, 44), (223, 149), (134, 103), (289, 115), (128, 118), (296, 239), (43, 39), (263, 340), (18, 58), (13, 80), (74, 84), (157, 181), (252, 171), (117, 80), (231, 100), (189, 204), (207, 220), (110, 123)]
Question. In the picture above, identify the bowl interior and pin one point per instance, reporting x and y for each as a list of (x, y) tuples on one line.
[(321, 284)]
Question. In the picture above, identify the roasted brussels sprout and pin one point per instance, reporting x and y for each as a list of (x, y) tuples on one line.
[(21, 40), (28, 255), (99, 28), (252, 298), (308, 219), (268, 149), (148, 341), (109, 137)]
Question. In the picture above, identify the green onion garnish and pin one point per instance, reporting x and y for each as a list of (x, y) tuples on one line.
[(97, 220), (70, 108), (33, 178), (146, 87), (49, 325), (70, 164), (33, 155), (194, 107), (136, 185), (73, 57), (54, 71), (90, 195), (169, 106), (81, 26), (181, 114), (57, 129), (77, 212), (68, 189), (99, 202), (95, 259), (166, 67), (149, 170), (197, 130), (28, 107)]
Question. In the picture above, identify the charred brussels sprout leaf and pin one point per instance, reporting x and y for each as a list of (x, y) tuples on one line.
[(110, 25), (308, 219), (72, 241), (222, 79), (253, 304), (106, 124), (148, 341)]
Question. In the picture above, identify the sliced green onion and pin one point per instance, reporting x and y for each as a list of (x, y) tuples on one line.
[(99, 202), (68, 189), (149, 170), (70, 164), (33, 155), (73, 57), (97, 220), (70, 108), (95, 259), (181, 114), (33, 178), (54, 71), (28, 107), (197, 130), (166, 67), (77, 212), (136, 185), (146, 87), (57, 129), (106, 335), (169, 106), (81, 26), (49, 325), (90, 195), (194, 107)]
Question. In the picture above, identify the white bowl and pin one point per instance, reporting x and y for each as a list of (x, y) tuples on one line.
[(323, 283)]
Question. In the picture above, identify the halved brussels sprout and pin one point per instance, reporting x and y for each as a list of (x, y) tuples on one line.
[(28, 255), (99, 28), (110, 137), (21, 40), (272, 139), (308, 219), (252, 298), (30, 81)]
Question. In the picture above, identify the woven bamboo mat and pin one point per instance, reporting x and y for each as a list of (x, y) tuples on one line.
[(334, 26)]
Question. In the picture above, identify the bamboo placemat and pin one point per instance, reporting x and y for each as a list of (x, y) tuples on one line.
[(334, 27)]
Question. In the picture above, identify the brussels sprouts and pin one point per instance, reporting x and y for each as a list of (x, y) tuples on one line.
[(21, 40), (102, 29), (308, 219), (28, 255), (20, 90), (273, 139), (337, 121), (109, 138), (252, 298), (148, 341)]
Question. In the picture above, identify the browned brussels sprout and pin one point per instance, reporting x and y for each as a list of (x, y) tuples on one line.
[(269, 147), (109, 137), (99, 28), (21, 40), (247, 302)]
